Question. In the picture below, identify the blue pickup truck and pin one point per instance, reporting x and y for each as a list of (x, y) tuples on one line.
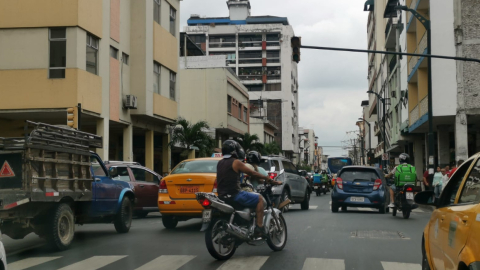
[(50, 181)]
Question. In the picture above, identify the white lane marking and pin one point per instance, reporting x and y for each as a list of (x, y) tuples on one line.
[(93, 263), (244, 263), (30, 262), (365, 209), (167, 262), (323, 264), (418, 211), (400, 266), (313, 207), (330, 202)]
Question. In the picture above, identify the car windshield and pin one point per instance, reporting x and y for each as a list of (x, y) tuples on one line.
[(266, 165), (196, 166), (358, 175)]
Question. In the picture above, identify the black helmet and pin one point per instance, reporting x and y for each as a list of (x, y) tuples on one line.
[(253, 157), (404, 158), (233, 148)]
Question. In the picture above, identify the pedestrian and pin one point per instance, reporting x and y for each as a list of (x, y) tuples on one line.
[(437, 182), (444, 178), (426, 185), (460, 162), (447, 169)]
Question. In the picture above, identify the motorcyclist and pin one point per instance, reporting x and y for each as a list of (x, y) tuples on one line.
[(253, 161), (324, 176), (228, 180), (404, 159)]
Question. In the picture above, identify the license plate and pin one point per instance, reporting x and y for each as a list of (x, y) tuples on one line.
[(323, 186), (409, 195), (315, 187), (357, 199), (207, 215), (189, 189)]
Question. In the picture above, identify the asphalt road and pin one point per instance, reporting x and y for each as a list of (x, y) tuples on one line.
[(317, 239)]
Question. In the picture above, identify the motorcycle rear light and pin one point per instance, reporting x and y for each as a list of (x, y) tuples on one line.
[(272, 175), (215, 186), (409, 189), (163, 187), (205, 203), (377, 184), (339, 182)]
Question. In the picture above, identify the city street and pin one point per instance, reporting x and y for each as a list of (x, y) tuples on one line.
[(317, 239)]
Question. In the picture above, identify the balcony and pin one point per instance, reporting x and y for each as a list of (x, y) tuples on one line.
[(391, 34), (165, 107), (165, 47), (51, 13), (392, 64), (421, 49), (39, 92), (413, 5)]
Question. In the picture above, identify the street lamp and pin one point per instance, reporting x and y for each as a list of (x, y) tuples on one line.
[(384, 162), (426, 23)]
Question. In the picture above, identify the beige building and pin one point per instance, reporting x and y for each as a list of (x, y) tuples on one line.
[(217, 96), (117, 58), (264, 129)]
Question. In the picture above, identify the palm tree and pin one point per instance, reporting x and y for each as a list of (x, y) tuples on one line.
[(187, 135), (250, 142), (271, 149)]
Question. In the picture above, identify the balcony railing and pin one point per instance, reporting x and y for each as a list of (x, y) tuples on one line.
[(423, 106), (413, 5), (388, 27), (423, 43), (412, 63)]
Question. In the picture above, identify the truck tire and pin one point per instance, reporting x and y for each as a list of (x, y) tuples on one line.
[(61, 227), (123, 219)]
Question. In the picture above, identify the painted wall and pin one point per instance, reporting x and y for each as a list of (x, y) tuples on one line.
[(24, 48)]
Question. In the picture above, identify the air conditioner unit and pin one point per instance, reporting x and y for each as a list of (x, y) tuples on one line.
[(393, 94), (130, 102)]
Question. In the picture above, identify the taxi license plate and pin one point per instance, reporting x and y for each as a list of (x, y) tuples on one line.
[(409, 195), (357, 199), (189, 189), (315, 187), (207, 215)]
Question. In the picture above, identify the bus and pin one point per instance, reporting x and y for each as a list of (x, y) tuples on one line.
[(335, 164)]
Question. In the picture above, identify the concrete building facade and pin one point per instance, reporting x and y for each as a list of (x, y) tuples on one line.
[(258, 49), (117, 58)]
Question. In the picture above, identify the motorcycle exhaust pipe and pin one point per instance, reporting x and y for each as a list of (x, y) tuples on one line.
[(233, 230)]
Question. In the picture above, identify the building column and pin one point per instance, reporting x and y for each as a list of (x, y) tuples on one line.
[(443, 146), (128, 143), (149, 138), (419, 153), (191, 154), (166, 153), (103, 130), (461, 137)]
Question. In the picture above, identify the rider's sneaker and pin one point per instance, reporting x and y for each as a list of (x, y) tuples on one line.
[(260, 231), (391, 205)]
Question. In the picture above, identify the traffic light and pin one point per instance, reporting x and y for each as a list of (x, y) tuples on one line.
[(296, 44), (72, 117)]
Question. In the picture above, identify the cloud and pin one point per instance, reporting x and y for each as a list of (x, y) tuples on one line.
[(332, 84)]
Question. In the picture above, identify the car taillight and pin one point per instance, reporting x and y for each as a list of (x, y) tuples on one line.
[(409, 189), (215, 186), (339, 182), (163, 187), (272, 175), (377, 184), (205, 203)]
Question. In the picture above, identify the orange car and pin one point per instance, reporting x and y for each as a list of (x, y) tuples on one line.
[(176, 195)]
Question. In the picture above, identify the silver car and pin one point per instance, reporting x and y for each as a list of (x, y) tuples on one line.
[(295, 187)]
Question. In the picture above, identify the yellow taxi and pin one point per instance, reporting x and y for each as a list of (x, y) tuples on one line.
[(176, 194), (451, 239)]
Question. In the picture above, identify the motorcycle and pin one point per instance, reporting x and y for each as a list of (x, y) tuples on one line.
[(404, 201), (321, 188), (228, 225)]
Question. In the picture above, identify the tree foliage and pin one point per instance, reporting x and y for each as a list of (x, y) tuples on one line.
[(186, 135), (271, 149), (250, 142)]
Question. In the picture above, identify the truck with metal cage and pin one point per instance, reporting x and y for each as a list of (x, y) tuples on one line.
[(50, 180)]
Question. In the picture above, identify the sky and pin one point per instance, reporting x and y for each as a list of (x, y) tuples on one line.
[(331, 84)]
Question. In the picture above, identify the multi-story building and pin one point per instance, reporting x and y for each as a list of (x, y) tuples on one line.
[(117, 58), (258, 49), (308, 146)]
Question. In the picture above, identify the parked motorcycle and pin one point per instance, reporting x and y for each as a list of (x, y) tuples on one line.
[(404, 201), (228, 225)]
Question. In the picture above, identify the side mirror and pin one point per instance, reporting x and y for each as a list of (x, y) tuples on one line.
[(113, 172), (272, 169), (426, 198)]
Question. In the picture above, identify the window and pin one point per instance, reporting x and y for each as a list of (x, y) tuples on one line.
[(239, 115), (142, 175), (113, 52), (173, 20), (273, 56), (97, 167), (173, 79), (471, 189), (156, 10), (449, 193), (222, 42), (229, 104), (245, 114), (255, 87), (289, 167), (196, 166), (92, 54), (156, 77), (122, 174), (58, 53), (125, 58), (250, 57)]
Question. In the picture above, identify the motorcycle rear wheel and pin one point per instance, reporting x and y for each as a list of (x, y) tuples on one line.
[(213, 238), (394, 211), (277, 240), (406, 213)]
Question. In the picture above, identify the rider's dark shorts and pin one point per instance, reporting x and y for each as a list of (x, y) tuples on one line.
[(247, 199)]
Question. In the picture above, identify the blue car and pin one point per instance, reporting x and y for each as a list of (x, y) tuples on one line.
[(360, 186)]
